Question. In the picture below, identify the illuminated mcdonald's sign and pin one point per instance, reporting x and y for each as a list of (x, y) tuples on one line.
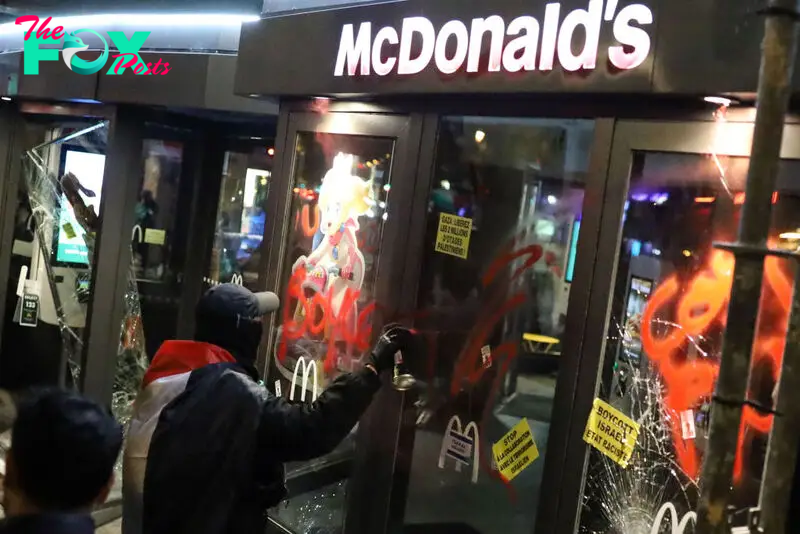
[(525, 43)]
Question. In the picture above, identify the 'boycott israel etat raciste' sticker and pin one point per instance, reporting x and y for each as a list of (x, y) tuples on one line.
[(611, 432)]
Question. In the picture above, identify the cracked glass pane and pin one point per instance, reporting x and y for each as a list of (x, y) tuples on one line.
[(664, 345), (63, 178)]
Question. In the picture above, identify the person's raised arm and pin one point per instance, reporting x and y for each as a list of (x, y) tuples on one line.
[(300, 431)]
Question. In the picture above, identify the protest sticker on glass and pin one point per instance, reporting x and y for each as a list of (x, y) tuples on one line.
[(153, 236), (611, 432), (515, 451), (453, 235)]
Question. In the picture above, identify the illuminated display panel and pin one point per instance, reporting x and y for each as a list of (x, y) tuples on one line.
[(69, 242)]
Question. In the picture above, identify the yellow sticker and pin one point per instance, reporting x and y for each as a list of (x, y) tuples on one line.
[(453, 235), (155, 237), (515, 451), (611, 432), (69, 231)]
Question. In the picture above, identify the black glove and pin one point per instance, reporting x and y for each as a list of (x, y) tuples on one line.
[(395, 339)]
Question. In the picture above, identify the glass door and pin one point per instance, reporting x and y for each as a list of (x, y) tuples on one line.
[(347, 186), (498, 303), (657, 315)]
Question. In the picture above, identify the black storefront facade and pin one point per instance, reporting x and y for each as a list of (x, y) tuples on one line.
[(536, 188), (176, 170)]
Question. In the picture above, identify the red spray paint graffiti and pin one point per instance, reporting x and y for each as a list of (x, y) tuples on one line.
[(315, 317), (469, 370), (702, 305)]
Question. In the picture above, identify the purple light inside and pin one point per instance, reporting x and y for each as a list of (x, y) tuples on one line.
[(659, 198)]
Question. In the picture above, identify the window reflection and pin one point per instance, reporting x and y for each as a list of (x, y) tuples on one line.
[(242, 213), (156, 210), (494, 320)]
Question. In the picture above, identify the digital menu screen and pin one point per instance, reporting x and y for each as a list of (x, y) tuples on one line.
[(88, 168)]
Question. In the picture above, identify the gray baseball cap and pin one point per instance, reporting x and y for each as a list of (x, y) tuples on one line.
[(233, 299)]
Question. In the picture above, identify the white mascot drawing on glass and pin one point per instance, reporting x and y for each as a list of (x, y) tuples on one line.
[(337, 264)]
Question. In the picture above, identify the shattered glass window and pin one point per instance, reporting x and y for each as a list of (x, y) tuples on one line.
[(63, 180), (663, 350)]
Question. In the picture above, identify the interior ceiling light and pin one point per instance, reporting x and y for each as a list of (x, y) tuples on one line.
[(791, 235), (480, 135), (719, 101), (5, 98)]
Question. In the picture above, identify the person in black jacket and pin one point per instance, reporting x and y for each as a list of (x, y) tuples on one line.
[(60, 464), (207, 443)]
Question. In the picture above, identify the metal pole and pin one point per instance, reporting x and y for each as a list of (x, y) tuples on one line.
[(774, 88), (776, 482)]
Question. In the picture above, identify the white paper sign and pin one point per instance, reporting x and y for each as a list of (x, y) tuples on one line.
[(459, 447), (486, 356), (462, 444), (687, 425)]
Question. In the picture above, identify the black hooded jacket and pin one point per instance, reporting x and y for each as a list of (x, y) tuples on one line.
[(53, 523), (207, 443)]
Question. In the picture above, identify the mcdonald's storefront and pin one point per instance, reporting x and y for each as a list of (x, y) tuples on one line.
[(536, 189)]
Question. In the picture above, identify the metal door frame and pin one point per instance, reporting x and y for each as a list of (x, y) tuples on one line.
[(372, 473), (121, 177), (702, 138), (11, 126)]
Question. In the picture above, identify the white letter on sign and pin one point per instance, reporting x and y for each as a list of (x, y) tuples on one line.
[(549, 36), (385, 35), (527, 43), (354, 50), (497, 27), (454, 28), (591, 21), (422, 26), (629, 35)]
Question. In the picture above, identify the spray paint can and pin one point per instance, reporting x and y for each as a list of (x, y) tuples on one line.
[(402, 379)]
